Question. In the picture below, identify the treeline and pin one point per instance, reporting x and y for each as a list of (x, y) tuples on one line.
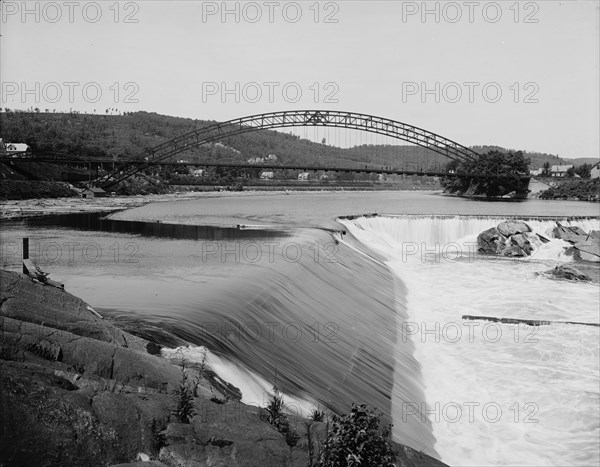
[(115, 136)]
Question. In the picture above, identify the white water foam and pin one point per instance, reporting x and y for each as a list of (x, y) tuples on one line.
[(497, 394), (255, 390)]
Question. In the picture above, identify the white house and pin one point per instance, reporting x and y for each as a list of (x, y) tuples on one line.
[(266, 176), (595, 171), (536, 172), (198, 172), (560, 170), (11, 149), (303, 176)]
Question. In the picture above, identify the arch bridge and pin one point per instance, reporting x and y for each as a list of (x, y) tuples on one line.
[(293, 118)]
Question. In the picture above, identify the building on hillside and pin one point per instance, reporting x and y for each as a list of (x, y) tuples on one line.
[(537, 172), (266, 176), (560, 171), (94, 192), (271, 157), (14, 149), (197, 173), (595, 171), (303, 176)]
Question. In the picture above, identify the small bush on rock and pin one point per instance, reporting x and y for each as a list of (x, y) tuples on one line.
[(273, 413), (356, 440), (184, 399)]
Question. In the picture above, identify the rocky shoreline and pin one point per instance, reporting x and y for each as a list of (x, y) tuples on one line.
[(77, 390)]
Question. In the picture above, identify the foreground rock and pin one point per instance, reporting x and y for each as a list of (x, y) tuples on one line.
[(77, 390)]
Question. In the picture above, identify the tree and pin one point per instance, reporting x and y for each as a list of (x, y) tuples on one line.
[(584, 171), (546, 169), (495, 173)]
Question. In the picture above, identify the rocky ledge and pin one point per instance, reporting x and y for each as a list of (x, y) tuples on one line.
[(77, 390), (517, 239)]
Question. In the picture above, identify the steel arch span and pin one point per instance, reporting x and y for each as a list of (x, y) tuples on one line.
[(293, 118)]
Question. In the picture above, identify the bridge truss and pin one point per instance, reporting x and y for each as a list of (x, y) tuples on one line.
[(283, 119)]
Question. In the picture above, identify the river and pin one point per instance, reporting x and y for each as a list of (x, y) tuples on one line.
[(365, 309)]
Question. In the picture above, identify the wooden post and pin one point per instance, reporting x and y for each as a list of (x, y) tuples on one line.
[(25, 253)]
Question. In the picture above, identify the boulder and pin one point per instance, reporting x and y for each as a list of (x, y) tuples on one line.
[(509, 238), (587, 250), (572, 234), (491, 242), (522, 241), (566, 271), (509, 228)]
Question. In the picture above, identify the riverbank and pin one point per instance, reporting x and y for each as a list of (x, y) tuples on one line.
[(17, 209), (77, 390)]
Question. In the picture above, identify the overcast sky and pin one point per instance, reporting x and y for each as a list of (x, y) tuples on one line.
[(520, 75)]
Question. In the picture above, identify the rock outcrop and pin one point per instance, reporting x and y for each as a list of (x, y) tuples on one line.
[(586, 246)]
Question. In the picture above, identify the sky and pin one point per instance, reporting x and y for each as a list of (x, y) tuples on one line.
[(522, 75)]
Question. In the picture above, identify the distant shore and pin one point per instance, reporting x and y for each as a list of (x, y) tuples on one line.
[(23, 208)]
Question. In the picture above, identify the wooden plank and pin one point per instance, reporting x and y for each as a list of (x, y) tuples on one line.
[(530, 322), (36, 273), (30, 268)]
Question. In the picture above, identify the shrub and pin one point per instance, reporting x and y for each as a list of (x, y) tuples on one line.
[(355, 440), (273, 413), (184, 399), (317, 415)]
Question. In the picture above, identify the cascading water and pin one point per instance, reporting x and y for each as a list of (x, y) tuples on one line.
[(497, 394)]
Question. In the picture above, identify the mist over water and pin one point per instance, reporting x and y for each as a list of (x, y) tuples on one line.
[(373, 315)]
